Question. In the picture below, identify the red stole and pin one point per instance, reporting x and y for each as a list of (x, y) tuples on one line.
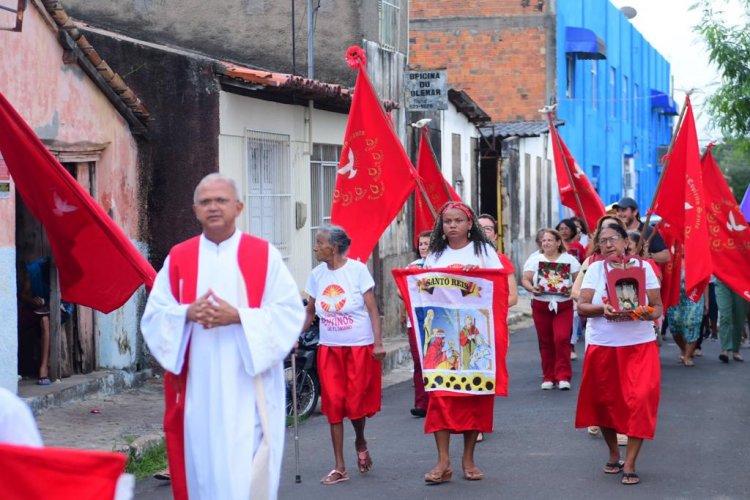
[(252, 257)]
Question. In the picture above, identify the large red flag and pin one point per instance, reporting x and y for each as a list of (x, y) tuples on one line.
[(672, 272), (375, 176), (98, 266), (60, 473), (680, 202), (580, 189), (436, 187), (729, 231)]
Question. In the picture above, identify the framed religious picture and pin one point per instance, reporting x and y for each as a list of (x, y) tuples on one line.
[(626, 284), (554, 277)]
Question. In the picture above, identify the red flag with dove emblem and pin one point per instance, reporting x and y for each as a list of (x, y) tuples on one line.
[(375, 176), (98, 265)]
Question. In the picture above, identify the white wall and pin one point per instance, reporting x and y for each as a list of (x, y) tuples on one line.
[(454, 122), (239, 114)]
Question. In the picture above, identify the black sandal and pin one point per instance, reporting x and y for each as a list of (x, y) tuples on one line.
[(609, 466), (630, 478)]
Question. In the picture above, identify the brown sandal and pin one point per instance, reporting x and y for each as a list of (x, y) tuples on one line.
[(334, 477), (436, 476), (474, 474), (364, 461)]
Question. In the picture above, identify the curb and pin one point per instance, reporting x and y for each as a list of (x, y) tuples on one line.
[(141, 445)]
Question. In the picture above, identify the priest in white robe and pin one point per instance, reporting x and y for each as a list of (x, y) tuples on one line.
[(234, 395)]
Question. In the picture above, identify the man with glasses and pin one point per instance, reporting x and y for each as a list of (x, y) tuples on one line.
[(627, 211), (225, 305)]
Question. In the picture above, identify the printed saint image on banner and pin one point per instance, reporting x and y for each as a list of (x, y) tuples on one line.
[(553, 277), (460, 324)]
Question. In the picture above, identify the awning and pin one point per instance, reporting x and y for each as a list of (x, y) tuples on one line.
[(664, 103), (584, 44)]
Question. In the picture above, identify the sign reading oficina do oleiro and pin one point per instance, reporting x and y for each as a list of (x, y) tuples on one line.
[(426, 90)]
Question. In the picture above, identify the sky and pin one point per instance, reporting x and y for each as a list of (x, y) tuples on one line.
[(668, 26)]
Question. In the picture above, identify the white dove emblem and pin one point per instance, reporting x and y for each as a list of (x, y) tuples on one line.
[(349, 167), (688, 206), (61, 206), (732, 224), (578, 173)]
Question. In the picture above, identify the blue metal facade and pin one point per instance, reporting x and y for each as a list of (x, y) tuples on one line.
[(610, 105)]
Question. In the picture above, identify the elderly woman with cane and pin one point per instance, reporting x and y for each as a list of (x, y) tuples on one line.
[(351, 346), (621, 376), (459, 241)]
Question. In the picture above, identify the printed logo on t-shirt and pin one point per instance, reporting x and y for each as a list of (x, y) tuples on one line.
[(333, 298)]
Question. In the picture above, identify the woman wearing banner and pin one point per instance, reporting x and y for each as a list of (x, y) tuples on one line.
[(458, 241), (549, 275), (621, 376), (351, 346)]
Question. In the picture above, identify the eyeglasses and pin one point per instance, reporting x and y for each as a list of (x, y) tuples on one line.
[(611, 240), (207, 202), (487, 229)]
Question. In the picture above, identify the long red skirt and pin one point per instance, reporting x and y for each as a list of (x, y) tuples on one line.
[(620, 389), (459, 413), (350, 382)]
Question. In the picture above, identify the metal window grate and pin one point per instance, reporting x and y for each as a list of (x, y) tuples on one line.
[(323, 165), (390, 17), (269, 196)]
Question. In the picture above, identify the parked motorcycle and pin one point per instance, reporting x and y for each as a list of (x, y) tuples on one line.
[(308, 385)]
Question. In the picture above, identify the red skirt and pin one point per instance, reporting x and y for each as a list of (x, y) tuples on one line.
[(350, 382), (620, 389), (458, 414)]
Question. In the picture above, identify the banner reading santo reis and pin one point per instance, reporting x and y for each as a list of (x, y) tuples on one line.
[(460, 323)]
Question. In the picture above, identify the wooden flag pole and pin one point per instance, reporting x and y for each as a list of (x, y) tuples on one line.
[(642, 241), (423, 191), (426, 132), (565, 164)]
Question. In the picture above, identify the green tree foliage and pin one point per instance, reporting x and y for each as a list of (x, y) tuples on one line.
[(728, 43), (733, 160)]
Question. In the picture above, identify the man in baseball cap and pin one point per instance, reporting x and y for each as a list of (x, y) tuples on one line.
[(627, 211)]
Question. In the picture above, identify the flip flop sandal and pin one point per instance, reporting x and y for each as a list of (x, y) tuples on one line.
[(43, 381), (613, 467), (630, 478), (364, 461), (334, 477), (437, 477), (474, 474)]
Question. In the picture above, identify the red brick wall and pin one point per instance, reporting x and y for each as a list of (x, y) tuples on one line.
[(503, 70)]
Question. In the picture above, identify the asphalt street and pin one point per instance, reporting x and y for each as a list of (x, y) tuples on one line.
[(700, 451)]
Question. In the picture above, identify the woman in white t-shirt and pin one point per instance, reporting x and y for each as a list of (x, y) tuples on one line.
[(458, 241), (549, 275), (351, 345), (621, 374)]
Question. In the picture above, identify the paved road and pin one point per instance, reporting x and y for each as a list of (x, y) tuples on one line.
[(700, 450)]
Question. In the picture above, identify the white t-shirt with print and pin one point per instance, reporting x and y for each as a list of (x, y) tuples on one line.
[(614, 333), (340, 303), (532, 265), (487, 259)]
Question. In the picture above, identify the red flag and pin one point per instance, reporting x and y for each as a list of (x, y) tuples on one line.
[(375, 176), (670, 283), (436, 187), (580, 189), (680, 202), (98, 266), (729, 231), (60, 473)]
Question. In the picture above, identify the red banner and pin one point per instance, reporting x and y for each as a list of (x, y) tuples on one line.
[(375, 176), (580, 189), (460, 323), (438, 190), (729, 231), (59, 473), (98, 266)]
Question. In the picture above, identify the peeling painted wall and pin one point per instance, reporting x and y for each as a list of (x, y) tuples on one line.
[(62, 104)]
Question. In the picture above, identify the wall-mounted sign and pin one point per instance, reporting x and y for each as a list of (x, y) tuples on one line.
[(426, 90), (4, 179)]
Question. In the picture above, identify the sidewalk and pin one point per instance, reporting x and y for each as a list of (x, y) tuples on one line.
[(86, 412)]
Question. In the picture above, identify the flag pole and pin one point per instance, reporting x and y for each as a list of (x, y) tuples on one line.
[(423, 192), (426, 133), (549, 110), (641, 240)]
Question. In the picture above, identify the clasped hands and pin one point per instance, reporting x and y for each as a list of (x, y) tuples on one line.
[(210, 311)]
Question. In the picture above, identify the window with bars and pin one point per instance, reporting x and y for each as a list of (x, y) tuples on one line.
[(390, 15), (323, 165), (269, 190)]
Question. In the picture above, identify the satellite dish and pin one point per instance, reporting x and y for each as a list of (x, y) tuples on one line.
[(628, 12)]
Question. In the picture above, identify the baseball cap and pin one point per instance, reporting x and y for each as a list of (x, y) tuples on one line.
[(626, 202)]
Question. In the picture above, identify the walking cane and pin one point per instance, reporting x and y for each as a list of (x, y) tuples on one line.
[(297, 478)]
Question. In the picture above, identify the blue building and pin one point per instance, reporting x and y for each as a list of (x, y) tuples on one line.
[(614, 94)]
